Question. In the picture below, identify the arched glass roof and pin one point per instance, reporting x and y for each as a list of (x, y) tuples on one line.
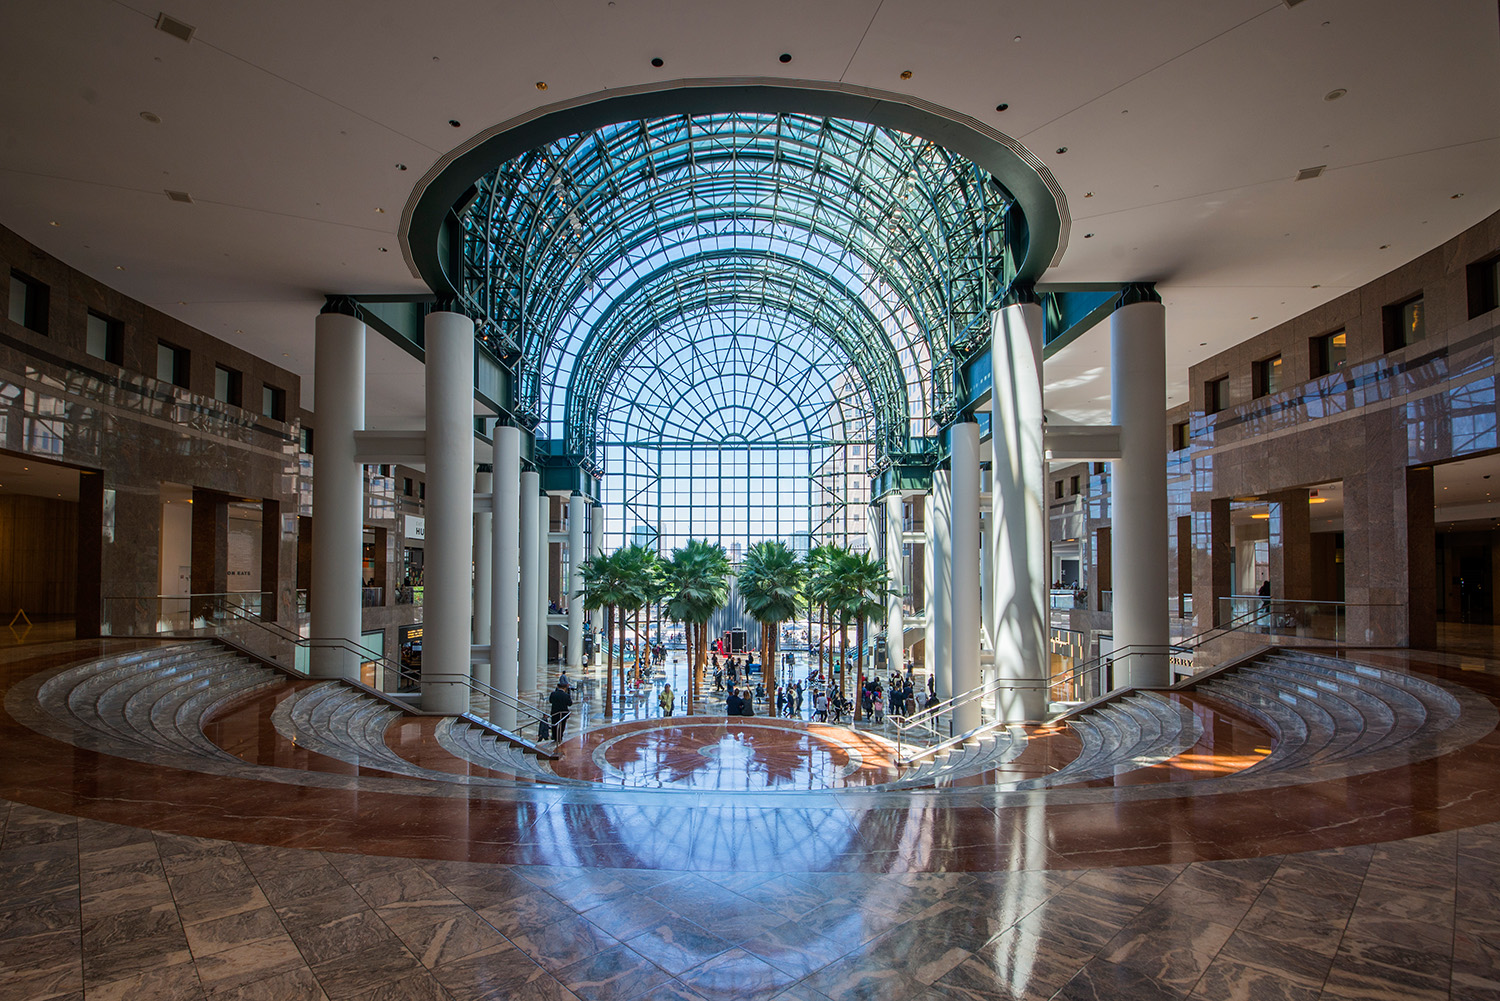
[(746, 241)]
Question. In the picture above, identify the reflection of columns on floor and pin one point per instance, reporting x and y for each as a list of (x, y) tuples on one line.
[(1018, 516), (576, 514), (448, 561), (1138, 389), (504, 639), (338, 504), (1290, 548), (596, 548), (940, 598), (987, 572), (895, 619), (530, 607), (483, 578), (964, 561)]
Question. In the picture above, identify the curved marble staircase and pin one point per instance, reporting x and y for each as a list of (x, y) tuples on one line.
[(1318, 711)]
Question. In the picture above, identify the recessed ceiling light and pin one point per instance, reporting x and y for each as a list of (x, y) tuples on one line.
[(151, 116), (1459, 195), (658, 62), (1016, 39), (1203, 344), (906, 74), (1088, 236), (454, 122), (785, 57), (119, 267), (1334, 95), (541, 85), (54, 222), (1088, 194), (379, 210), (400, 166), (1002, 106), (384, 251), (1385, 246), (1061, 150), (1315, 286), (1254, 317)]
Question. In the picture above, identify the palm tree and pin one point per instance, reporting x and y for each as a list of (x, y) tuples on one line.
[(696, 584), (820, 561), (604, 588), (638, 570), (867, 587), (770, 582)]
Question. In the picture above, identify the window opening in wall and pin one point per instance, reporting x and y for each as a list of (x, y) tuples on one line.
[(273, 403), (1216, 394), (1484, 286), (307, 440), (227, 385), (1057, 488), (105, 338), (422, 491), (172, 364), (406, 486), (1179, 436), (1329, 352), (1267, 376), (1404, 324), (1073, 487), (28, 302), (1100, 468)]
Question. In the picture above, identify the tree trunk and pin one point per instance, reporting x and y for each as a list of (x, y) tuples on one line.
[(609, 661), (768, 656), (843, 656), (859, 668), (687, 658)]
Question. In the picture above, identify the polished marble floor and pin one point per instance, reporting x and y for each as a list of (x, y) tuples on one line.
[(124, 879)]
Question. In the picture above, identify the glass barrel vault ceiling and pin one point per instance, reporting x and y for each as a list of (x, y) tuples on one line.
[(666, 278)]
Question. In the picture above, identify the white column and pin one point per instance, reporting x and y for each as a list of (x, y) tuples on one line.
[(338, 495), (483, 576), (448, 568), (505, 636), (940, 599), (987, 568), (964, 482), (596, 548), (1019, 571), (895, 619), (929, 589), (531, 606), (576, 514), (1138, 491), (543, 504)]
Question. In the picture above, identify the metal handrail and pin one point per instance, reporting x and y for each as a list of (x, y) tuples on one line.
[(932, 712)]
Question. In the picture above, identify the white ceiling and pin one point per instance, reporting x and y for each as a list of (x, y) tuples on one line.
[(1185, 123)]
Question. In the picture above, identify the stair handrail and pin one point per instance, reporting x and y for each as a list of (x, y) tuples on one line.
[(402, 672)]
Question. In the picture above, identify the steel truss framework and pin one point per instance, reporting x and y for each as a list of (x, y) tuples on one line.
[(753, 281)]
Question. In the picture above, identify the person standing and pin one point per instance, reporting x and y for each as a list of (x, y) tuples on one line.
[(664, 700), (560, 702)]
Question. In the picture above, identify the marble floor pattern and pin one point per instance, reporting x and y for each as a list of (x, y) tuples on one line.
[(91, 908)]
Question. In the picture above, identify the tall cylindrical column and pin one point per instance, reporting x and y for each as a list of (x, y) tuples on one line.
[(1138, 492), (596, 548), (1018, 515), (339, 497), (505, 634), (576, 513), (895, 618), (483, 569), (940, 600), (543, 504), (448, 567), (964, 530), (530, 607)]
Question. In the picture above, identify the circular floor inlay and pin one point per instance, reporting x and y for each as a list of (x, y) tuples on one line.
[(727, 753)]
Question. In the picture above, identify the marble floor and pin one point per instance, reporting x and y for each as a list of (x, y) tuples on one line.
[(309, 879)]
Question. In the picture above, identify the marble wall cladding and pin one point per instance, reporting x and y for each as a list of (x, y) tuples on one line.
[(60, 404), (1364, 425)]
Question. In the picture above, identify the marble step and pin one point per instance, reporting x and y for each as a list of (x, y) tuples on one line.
[(131, 706), (162, 702), (1125, 735), (1288, 727), (1364, 719), (1318, 725), (1438, 709)]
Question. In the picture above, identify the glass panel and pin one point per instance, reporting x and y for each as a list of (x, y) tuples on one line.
[(98, 336), (1412, 327), (166, 362), (18, 293)]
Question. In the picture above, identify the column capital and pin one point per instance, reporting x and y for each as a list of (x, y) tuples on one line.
[(342, 305), (1138, 292), (1020, 294)]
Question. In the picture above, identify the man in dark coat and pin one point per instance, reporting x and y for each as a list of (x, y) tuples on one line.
[(734, 705), (561, 700)]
